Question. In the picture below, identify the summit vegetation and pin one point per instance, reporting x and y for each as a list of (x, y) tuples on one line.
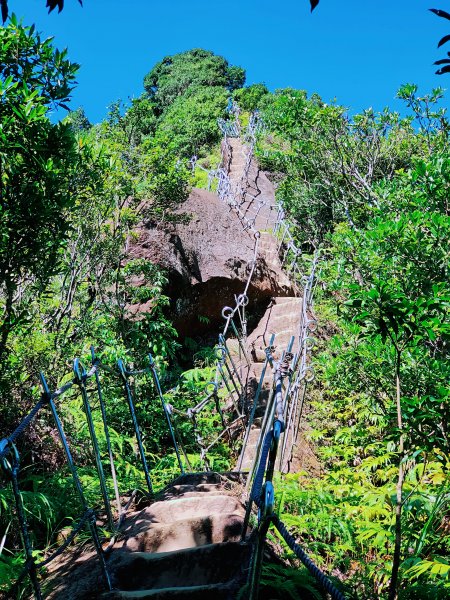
[(370, 192)]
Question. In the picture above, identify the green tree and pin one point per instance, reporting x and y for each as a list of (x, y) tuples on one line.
[(36, 162), (78, 120), (330, 163), (235, 78), (174, 75), (382, 407), (191, 120), (400, 299), (249, 98)]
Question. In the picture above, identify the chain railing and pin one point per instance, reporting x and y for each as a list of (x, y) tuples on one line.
[(226, 396), (231, 127), (291, 376), (10, 459), (263, 496)]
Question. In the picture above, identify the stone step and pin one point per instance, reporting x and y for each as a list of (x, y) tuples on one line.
[(199, 566), (257, 369), (217, 591), (196, 494), (182, 489), (171, 510), (287, 300), (269, 245), (193, 519), (185, 533), (235, 350), (282, 318), (250, 449), (206, 477)]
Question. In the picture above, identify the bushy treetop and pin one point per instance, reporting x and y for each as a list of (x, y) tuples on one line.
[(175, 74)]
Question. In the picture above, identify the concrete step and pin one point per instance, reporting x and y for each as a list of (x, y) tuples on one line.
[(257, 369), (282, 318), (186, 533), (171, 510), (250, 449), (196, 494), (287, 300), (183, 489), (197, 519)]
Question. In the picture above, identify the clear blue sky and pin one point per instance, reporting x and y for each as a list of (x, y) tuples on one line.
[(358, 52)]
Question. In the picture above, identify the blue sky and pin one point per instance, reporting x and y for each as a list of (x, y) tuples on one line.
[(357, 52)]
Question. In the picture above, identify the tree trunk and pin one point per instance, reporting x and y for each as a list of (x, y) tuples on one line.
[(399, 496), (6, 318)]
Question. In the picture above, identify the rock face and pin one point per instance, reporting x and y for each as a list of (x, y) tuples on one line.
[(208, 259)]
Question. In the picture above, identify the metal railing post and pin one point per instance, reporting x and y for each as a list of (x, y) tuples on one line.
[(255, 403), (11, 469), (264, 517), (134, 420), (107, 436), (165, 409), (80, 379), (77, 482)]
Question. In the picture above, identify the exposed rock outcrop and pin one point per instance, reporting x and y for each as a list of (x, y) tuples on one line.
[(208, 257)]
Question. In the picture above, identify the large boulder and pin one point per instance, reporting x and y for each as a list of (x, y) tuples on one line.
[(208, 256)]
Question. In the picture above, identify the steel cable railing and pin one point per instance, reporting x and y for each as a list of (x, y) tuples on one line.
[(10, 461)]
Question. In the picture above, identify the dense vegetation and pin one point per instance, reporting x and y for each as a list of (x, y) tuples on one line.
[(72, 195), (371, 192)]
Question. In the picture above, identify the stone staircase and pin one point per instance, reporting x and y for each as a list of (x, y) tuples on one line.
[(282, 318), (283, 314), (259, 198), (185, 545)]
